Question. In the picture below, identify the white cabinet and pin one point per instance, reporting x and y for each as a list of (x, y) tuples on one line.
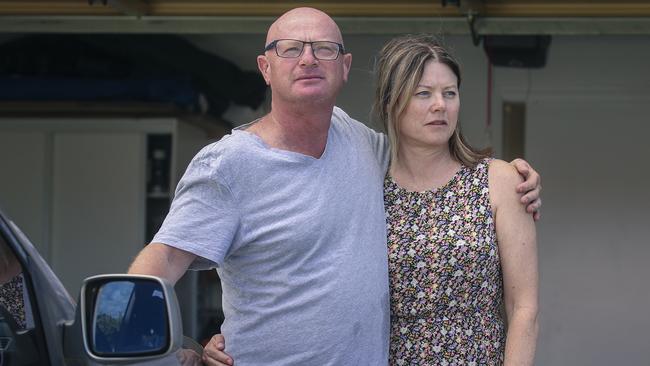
[(78, 188), (97, 203), (23, 182)]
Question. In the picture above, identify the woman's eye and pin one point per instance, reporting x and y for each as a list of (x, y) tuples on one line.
[(423, 93), (449, 94)]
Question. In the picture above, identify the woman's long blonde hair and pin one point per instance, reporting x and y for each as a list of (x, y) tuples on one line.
[(398, 70)]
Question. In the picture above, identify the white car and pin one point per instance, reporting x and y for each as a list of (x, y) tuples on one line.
[(119, 319)]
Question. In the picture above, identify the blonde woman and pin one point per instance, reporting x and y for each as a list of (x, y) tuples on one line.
[(460, 243)]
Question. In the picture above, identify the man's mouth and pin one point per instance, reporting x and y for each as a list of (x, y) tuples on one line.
[(309, 77)]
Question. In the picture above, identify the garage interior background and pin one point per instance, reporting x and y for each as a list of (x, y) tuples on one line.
[(103, 103)]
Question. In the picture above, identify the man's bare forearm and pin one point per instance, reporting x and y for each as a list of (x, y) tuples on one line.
[(161, 260)]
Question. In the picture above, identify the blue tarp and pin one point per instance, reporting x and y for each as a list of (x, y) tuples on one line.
[(177, 91)]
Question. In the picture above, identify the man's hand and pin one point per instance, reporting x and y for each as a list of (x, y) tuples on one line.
[(531, 187), (213, 352)]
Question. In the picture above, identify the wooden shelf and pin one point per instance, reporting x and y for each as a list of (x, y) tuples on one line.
[(214, 127)]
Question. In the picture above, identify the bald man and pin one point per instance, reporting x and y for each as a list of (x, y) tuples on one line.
[(289, 209)]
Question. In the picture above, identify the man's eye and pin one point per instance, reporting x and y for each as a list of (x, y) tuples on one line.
[(324, 49)]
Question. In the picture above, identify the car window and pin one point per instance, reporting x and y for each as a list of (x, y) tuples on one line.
[(17, 327)]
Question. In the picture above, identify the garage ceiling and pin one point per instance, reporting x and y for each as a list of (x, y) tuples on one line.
[(359, 16)]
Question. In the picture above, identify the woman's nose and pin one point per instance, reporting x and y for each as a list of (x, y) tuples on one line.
[(437, 102)]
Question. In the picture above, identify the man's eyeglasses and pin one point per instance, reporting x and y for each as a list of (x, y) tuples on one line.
[(292, 48)]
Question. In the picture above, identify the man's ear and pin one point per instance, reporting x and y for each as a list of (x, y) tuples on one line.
[(347, 62), (264, 66)]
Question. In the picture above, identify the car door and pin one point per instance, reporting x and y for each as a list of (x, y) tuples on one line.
[(37, 314), (22, 332)]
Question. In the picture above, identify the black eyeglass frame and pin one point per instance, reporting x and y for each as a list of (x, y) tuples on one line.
[(274, 43)]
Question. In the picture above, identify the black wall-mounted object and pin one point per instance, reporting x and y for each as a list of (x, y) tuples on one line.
[(525, 51), (159, 165)]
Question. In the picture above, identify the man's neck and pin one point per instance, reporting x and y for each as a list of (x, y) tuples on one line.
[(303, 130)]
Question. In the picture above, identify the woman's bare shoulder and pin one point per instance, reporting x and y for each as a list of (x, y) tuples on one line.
[(503, 173)]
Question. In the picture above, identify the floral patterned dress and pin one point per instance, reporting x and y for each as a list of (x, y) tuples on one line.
[(445, 275), (11, 299)]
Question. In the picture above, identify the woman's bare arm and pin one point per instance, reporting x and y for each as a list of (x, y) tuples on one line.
[(518, 253)]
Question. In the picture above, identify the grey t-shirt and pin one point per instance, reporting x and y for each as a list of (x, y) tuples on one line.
[(299, 244)]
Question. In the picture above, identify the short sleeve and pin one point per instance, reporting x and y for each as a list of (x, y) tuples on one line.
[(377, 141), (203, 218)]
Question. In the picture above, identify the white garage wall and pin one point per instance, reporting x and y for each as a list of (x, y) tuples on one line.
[(587, 133), (594, 236)]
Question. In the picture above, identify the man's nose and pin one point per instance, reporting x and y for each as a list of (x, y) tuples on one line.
[(307, 57)]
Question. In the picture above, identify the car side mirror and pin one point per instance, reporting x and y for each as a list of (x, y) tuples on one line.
[(127, 318)]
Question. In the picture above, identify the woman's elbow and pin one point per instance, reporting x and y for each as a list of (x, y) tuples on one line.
[(528, 317)]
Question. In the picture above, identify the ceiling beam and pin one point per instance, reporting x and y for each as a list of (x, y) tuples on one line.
[(363, 8), (567, 9), (62, 8), (130, 7), (275, 8), (348, 25)]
